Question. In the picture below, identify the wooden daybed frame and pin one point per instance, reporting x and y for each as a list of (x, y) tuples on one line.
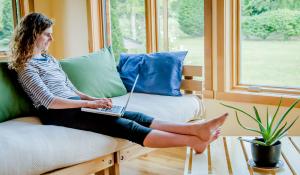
[(110, 164)]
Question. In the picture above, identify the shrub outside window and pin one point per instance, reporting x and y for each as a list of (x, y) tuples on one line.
[(181, 27), (6, 24), (269, 43), (128, 26)]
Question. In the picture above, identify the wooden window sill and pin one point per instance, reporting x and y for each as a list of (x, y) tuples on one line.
[(267, 98)]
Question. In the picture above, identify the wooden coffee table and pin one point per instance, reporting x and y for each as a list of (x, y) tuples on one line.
[(228, 155)]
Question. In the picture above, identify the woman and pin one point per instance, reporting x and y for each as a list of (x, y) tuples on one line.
[(58, 101)]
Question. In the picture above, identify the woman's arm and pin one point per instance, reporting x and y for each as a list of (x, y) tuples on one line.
[(84, 96), (63, 103)]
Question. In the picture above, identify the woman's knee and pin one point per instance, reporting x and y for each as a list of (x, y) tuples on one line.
[(139, 117)]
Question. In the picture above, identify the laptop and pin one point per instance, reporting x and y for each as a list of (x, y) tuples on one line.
[(115, 110)]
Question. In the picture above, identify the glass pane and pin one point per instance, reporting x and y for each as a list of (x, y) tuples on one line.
[(6, 24), (128, 26), (182, 28), (270, 43)]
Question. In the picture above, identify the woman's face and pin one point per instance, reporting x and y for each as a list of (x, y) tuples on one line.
[(43, 40)]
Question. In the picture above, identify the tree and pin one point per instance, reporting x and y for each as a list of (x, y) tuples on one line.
[(191, 17), (7, 20), (132, 14), (284, 22), (257, 7), (117, 36)]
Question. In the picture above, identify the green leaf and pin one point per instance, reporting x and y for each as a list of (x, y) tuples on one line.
[(285, 114), (275, 114), (282, 132), (268, 127), (262, 129), (259, 123), (253, 141), (249, 129), (275, 135), (280, 137), (289, 126)]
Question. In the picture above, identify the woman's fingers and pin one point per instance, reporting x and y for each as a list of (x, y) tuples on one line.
[(101, 103)]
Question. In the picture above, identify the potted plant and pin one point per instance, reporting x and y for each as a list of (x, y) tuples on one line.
[(266, 150)]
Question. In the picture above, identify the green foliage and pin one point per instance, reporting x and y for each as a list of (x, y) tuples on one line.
[(132, 15), (283, 21), (117, 36), (257, 7), (191, 17), (6, 25), (271, 134)]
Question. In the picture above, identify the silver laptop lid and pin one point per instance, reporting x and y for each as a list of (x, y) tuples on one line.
[(136, 79)]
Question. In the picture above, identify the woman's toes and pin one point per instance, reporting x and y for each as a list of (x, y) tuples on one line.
[(207, 129)]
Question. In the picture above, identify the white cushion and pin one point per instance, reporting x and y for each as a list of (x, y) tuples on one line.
[(29, 148), (171, 108)]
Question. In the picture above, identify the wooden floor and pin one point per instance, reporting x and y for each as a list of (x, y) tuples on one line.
[(159, 162)]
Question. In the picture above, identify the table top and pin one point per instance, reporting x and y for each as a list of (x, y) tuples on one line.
[(228, 155)]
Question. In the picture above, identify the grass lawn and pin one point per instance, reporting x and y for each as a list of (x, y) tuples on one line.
[(275, 63)]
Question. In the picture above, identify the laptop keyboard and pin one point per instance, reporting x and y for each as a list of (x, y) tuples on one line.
[(114, 109)]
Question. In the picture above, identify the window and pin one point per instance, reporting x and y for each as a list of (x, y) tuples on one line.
[(269, 43), (139, 26), (181, 27), (8, 19), (256, 48), (128, 26)]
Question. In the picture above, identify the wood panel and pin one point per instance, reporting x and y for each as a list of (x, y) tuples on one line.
[(208, 47), (26, 7), (132, 152), (95, 25), (201, 167), (166, 161), (296, 143), (89, 167), (291, 155), (192, 70), (228, 155), (238, 160), (192, 85), (218, 157), (220, 15)]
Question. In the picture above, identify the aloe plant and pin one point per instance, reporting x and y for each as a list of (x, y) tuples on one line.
[(269, 131)]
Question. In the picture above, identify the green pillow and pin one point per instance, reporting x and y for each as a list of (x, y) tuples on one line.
[(95, 74), (13, 100)]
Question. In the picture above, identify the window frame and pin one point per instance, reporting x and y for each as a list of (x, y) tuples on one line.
[(26, 6), (95, 24), (152, 29), (228, 88), (236, 73), (208, 91)]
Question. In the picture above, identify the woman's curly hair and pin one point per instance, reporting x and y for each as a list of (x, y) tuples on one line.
[(24, 37)]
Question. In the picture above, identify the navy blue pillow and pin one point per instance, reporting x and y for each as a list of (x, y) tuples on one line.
[(160, 73)]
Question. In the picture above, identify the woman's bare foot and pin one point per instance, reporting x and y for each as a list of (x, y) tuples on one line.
[(205, 130), (201, 146)]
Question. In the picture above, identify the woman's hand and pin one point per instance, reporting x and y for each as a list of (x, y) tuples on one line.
[(99, 103)]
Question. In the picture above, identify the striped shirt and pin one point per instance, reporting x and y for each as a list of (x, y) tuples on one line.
[(43, 79)]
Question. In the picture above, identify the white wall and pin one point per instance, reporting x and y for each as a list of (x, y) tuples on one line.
[(70, 30), (231, 127)]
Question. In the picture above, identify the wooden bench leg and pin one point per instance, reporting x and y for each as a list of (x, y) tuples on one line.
[(115, 169), (103, 172)]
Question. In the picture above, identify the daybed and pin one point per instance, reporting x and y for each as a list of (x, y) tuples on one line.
[(29, 148)]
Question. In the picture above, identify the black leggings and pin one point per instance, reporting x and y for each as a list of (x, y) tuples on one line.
[(132, 126)]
